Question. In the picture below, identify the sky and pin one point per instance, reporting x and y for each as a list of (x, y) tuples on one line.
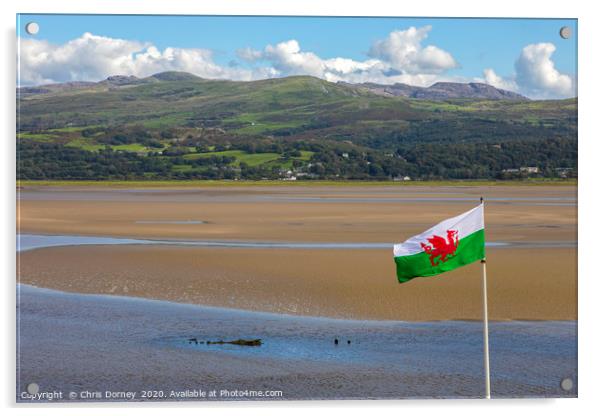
[(527, 56)]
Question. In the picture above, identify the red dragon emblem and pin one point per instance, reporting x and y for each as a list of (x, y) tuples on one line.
[(440, 250)]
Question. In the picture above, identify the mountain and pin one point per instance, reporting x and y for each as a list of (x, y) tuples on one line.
[(437, 91), (444, 91), (175, 76), (23, 92), (113, 81), (177, 125), (299, 107), (121, 80)]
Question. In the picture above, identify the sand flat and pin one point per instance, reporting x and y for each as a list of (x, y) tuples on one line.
[(529, 284), (525, 283), (350, 214)]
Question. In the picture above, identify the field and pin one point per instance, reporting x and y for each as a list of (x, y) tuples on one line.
[(178, 126)]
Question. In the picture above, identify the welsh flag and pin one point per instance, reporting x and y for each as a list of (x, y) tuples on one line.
[(448, 245)]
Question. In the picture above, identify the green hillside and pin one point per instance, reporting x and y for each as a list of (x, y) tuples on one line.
[(178, 126)]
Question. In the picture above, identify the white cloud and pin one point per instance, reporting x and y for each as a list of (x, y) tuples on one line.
[(400, 57), (403, 50), (249, 54), (494, 79), (535, 74), (91, 58), (287, 58)]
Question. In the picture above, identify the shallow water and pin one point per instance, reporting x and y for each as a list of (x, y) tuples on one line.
[(377, 196), (72, 342), (176, 222), (536, 201), (33, 241)]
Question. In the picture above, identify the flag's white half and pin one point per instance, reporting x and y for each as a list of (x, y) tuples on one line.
[(466, 224)]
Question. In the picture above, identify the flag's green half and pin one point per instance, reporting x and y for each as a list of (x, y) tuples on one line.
[(470, 248)]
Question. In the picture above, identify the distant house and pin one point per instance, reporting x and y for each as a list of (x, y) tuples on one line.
[(563, 172), (289, 176), (523, 169)]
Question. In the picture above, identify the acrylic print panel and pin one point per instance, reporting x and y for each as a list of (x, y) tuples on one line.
[(210, 213)]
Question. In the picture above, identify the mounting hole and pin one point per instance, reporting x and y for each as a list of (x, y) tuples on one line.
[(33, 388), (32, 28), (566, 384), (565, 32)]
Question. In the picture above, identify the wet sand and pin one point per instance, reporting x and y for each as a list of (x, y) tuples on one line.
[(337, 214), (75, 342), (530, 284), (526, 283)]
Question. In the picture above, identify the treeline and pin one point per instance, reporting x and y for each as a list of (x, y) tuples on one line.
[(331, 160), (552, 158), (464, 130)]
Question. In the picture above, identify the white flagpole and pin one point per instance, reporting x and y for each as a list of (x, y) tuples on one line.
[(485, 328)]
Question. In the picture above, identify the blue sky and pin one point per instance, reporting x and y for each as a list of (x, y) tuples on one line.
[(466, 47)]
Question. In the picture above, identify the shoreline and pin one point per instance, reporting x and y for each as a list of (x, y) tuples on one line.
[(273, 314), (282, 183), (41, 241)]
